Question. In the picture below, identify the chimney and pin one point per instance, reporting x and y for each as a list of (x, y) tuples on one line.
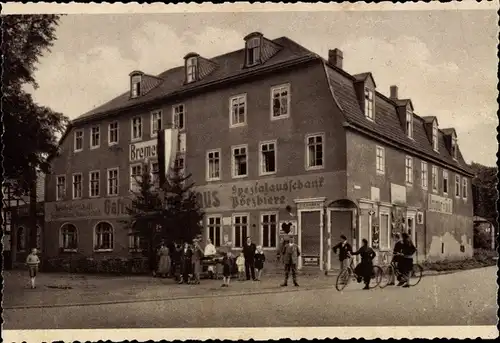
[(394, 92), (335, 58)]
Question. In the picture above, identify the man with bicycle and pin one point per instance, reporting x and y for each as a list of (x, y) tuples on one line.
[(345, 250), (405, 264), (395, 258)]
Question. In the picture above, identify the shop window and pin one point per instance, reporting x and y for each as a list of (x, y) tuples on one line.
[(269, 227), (69, 237), (240, 227), (103, 237), (214, 228)]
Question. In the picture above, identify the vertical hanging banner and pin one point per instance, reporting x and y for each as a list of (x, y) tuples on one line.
[(168, 141)]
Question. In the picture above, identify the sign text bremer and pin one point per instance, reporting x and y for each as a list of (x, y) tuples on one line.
[(142, 150)]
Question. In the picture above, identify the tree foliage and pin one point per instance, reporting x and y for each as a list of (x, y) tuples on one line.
[(30, 130), (170, 212), (484, 191)]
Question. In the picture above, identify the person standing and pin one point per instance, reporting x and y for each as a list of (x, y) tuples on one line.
[(290, 255), (210, 253), (197, 257), (345, 249), (240, 263), (227, 265), (164, 260), (364, 270), (33, 261), (406, 260), (260, 258), (396, 257), (249, 254), (186, 263)]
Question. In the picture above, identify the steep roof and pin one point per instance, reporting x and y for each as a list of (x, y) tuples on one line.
[(229, 65), (386, 124)]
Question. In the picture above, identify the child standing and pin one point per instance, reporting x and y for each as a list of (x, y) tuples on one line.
[(227, 263), (240, 262), (260, 258), (32, 261)]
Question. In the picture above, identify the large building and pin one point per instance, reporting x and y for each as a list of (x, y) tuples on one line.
[(278, 140)]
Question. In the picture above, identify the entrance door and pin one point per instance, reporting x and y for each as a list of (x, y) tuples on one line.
[(341, 224), (310, 222)]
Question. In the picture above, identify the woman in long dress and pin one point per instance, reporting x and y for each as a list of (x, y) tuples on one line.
[(164, 262)]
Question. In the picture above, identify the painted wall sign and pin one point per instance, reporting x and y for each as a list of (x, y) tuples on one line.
[(86, 209), (288, 227), (398, 194), (440, 204), (142, 150), (268, 193)]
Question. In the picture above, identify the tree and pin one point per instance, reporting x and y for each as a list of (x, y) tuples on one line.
[(30, 130)]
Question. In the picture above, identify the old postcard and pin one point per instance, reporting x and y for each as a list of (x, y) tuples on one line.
[(244, 171)]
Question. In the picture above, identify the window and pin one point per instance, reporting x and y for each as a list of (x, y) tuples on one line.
[(21, 239), (369, 113), (409, 170), (135, 177), (179, 164), (103, 237), (78, 140), (155, 174), (178, 116), (240, 227), (464, 188), (240, 161), (424, 174), (253, 51), (268, 158), (385, 231), (136, 128), (95, 137), (214, 230), (61, 187), (435, 137), (135, 90), (113, 133), (411, 226), (457, 186), (380, 160), (454, 148), (134, 241), (94, 183), (213, 165), (156, 117), (182, 142), (238, 110), (314, 152), (269, 227), (280, 98), (69, 237), (77, 186), (445, 182), (434, 178), (191, 69), (113, 181), (409, 123)]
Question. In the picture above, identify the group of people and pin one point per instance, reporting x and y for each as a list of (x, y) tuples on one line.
[(403, 252), (249, 263)]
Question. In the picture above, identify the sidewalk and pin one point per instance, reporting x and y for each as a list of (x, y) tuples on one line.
[(74, 290), (58, 289)]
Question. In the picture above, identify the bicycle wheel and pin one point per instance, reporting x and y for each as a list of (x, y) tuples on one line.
[(343, 279), (376, 276), (415, 275), (387, 277)]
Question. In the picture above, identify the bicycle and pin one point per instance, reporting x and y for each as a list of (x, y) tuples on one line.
[(392, 272), (349, 273)]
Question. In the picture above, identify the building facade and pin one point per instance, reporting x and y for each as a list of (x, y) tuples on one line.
[(279, 141)]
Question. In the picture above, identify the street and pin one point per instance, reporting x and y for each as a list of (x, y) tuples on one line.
[(462, 298)]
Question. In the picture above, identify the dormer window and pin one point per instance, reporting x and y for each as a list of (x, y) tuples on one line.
[(253, 51), (454, 148), (135, 90), (435, 137), (191, 69), (369, 108), (409, 123)]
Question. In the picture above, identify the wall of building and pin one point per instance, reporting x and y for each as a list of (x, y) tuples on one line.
[(454, 227)]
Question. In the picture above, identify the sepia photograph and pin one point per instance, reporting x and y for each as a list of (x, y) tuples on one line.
[(249, 171)]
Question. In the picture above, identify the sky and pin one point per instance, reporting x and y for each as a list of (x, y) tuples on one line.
[(444, 61)]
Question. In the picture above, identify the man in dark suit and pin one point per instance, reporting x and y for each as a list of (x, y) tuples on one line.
[(345, 250), (290, 255), (249, 254)]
